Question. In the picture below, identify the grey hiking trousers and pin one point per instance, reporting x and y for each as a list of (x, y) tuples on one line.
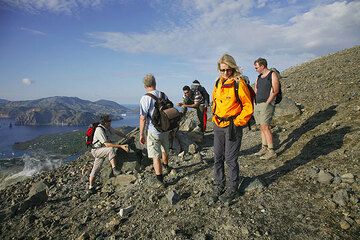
[(226, 151)]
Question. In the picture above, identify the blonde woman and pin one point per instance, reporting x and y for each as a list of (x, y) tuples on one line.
[(232, 108)]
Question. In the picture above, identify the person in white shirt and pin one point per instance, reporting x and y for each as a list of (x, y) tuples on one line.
[(157, 142)]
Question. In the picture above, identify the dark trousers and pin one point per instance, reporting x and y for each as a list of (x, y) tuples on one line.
[(201, 112), (226, 151)]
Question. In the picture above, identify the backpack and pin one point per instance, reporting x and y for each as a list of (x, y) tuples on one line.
[(279, 95), (90, 133), (165, 116), (203, 92)]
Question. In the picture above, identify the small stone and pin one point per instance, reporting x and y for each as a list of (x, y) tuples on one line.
[(125, 212), (197, 157), (113, 224), (337, 180), (344, 225), (257, 233), (172, 197), (245, 231), (192, 149), (313, 171), (173, 172), (348, 178), (354, 199), (84, 236), (182, 154), (357, 221), (255, 185), (332, 205), (350, 220), (325, 177), (341, 197)]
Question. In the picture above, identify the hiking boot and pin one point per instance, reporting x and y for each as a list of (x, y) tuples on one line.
[(116, 172), (160, 185), (262, 151), (269, 155), (91, 190), (216, 193), (228, 196)]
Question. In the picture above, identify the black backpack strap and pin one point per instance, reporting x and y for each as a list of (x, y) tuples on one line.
[(104, 133), (216, 86), (236, 89), (152, 96), (217, 82), (270, 79)]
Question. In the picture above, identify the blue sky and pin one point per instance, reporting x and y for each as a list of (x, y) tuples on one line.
[(101, 49)]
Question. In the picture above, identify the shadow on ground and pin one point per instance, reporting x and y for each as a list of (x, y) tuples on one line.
[(316, 147)]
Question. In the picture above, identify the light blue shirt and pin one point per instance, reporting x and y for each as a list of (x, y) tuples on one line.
[(147, 105)]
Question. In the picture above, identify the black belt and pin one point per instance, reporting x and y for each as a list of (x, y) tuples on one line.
[(232, 127)]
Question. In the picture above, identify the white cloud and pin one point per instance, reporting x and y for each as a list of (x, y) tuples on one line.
[(33, 31), (58, 6), (325, 28), (228, 26), (26, 81)]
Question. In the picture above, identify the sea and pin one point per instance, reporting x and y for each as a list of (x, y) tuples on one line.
[(11, 133), (16, 165)]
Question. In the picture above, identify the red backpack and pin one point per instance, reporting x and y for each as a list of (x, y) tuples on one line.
[(90, 133)]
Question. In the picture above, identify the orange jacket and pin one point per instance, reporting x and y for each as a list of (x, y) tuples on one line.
[(225, 104)]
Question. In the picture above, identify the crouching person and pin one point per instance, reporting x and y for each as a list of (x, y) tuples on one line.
[(103, 148)]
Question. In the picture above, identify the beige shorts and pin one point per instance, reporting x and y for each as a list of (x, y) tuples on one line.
[(263, 113), (156, 145)]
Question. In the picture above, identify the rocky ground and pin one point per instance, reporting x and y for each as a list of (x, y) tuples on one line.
[(311, 191)]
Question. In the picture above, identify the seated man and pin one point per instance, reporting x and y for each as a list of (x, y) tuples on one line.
[(104, 148), (194, 99)]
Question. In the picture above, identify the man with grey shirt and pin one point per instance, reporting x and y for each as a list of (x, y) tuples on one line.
[(102, 148), (157, 142)]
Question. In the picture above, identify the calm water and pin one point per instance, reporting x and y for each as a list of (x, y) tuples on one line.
[(10, 135)]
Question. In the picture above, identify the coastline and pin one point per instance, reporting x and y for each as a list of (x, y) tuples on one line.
[(43, 153)]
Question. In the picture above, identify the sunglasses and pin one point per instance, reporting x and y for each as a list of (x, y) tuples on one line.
[(226, 70)]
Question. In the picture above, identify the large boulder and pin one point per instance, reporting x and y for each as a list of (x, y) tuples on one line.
[(286, 109), (38, 195)]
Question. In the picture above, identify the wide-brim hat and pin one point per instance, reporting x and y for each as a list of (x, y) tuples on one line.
[(105, 118)]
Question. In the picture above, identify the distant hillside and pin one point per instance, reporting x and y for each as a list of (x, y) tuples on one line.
[(60, 111), (3, 101)]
